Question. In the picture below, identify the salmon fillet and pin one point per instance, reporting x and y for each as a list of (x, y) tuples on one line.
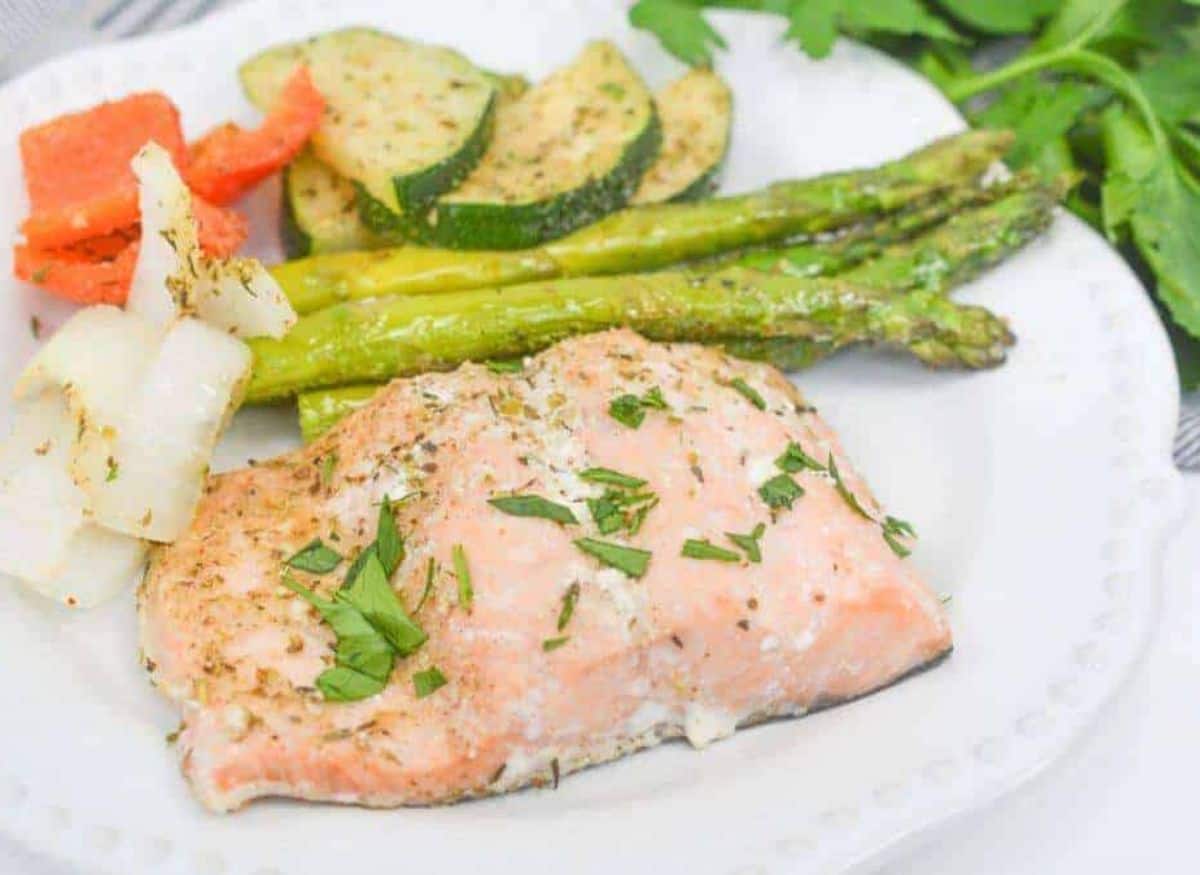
[(695, 647)]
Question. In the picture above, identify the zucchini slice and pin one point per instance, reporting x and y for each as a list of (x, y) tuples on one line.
[(404, 121), (696, 113), (568, 152), (320, 211)]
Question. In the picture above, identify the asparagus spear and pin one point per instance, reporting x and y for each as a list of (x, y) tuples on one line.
[(951, 254), (936, 261), (400, 335), (647, 237), (321, 409)]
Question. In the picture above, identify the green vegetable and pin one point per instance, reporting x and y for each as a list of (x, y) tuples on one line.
[(748, 392), (534, 506), (794, 460), (893, 531), (694, 549), (403, 120), (609, 477), (389, 546), (749, 543), (428, 681), (654, 236), (696, 111), (780, 491), (535, 182), (397, 336), (1107, 89), (844, 491), (462, 571), (315, 558), (630, 561), (570, 599), (320, 411)]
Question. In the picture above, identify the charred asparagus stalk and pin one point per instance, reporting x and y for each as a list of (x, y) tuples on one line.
[(649, 237), (389, 337)]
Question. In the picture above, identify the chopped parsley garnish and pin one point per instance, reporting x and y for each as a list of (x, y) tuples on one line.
[(609, 477), (630, 410), (389, 546), (466, 594), (428, 682), (366, 615), (794, 460), (534, 506), (430, 573), (749, 543), (616, 510), (315, 558), (844, 491), (694, 549), (113, 470), (748, 392), (780, 491), (654, 399), (550, 644), (506, 366), (893, 531), (630, 561), (627, 410), (570, 599)]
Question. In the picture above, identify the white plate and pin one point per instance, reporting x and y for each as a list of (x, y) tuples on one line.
[(1042, 492)]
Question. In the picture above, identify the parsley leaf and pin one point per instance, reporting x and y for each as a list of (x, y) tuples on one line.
[(780, 491), (1006, 16), (748, 392), (372, 595), (844, 491), (429, 681), (654, 399), (570, 599), (341, 684), (749, 543), (389, 546), (534, 506), (680, 28), (551, 644), (315, 558), (466, 593), (328, 463), (610, 477), (794, 460), (430, 573), (630, 561), (895, 529), (694, 549), (627, 410)]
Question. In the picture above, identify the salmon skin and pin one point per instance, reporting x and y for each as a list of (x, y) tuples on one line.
[(695, 647)]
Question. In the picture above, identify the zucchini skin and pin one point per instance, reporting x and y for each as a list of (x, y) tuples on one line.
[(415, 192), (505, 226)]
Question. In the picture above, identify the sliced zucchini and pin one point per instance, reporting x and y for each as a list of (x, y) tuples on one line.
[(405, 121), (570, 151), (320, 211), (696, 113)]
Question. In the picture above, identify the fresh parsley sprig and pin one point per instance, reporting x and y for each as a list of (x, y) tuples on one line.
[(1104, 90)]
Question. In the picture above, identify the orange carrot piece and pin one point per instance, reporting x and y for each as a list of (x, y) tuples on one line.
[(229, 160), (77, 169)]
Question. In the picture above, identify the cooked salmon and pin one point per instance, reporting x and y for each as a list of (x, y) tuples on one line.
[(706, 640)]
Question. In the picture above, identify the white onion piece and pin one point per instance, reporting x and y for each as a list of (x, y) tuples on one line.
[(240, 296), (175, 277), (97, 360), (144, 475), (169, 243), (102, 564), (41, 509)]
